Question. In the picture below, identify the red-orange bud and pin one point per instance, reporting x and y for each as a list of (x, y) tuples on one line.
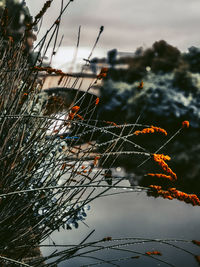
[(75, 109), (185, 124)]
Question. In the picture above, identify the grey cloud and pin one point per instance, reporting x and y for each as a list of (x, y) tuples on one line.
[(129, 22)]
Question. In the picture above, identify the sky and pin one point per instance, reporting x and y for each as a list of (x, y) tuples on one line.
[(128, 24)]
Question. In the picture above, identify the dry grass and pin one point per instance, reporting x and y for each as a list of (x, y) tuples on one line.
[(47, 176)]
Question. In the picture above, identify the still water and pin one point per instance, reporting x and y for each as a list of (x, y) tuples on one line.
[(136, 215)]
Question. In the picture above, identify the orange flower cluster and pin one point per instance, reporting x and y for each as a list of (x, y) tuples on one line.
[(155, 187), (159, 192), (73, 112), (49, 70), (170, 193), (75, 109), (185, 124), (152, 129), (155, 252), (102, 74), (160, 159), (84, 169), (173, 193), (96, 160), (140, 86), (97, 101), (161, 175)]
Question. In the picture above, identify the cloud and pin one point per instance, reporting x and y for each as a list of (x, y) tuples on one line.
[(128, 23)]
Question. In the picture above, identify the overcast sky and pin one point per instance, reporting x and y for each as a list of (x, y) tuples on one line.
[(128, 23)]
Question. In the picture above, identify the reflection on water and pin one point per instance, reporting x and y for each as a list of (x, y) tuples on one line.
[(136, 215)]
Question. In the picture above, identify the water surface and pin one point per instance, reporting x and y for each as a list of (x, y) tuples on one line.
[(137, 215)]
